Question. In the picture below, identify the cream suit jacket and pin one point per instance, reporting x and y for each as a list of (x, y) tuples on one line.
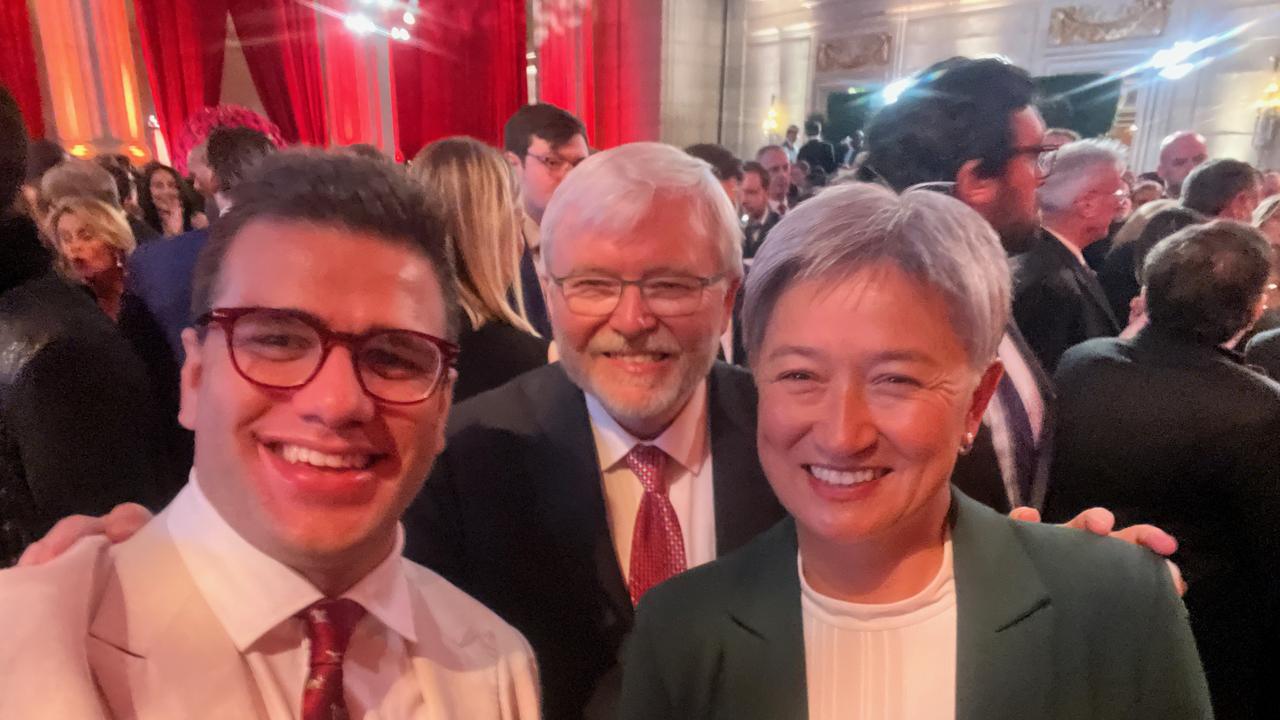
[(122, 632)]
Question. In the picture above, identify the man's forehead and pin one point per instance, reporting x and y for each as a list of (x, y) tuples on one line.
[(575, 146)]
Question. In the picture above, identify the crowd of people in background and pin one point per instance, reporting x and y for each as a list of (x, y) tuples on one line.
[(830, 381)]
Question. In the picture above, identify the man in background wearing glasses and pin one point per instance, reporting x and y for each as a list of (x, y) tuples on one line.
[(1057, 300), (543, 143), (566, 494), (317, 381)]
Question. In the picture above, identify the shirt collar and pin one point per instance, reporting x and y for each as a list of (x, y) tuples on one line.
[(684, 440), (251, 593), (1074, 250)]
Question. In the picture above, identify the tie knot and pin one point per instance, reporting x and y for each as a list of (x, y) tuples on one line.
[(648, 462), (329, 627)]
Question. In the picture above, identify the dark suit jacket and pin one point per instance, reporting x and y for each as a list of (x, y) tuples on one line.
[(514, 514), (1183, 436), (1051, 623), (493, 356), (160, 276), (1057, 302), (978, 473), (1263, 351), (819, 154)]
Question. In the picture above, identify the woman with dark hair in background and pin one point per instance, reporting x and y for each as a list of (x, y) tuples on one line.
[(478, 191), (169, 204)]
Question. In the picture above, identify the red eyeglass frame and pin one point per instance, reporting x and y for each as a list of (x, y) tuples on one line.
[(226, 317)]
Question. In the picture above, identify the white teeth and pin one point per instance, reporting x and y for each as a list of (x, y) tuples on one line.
[(300, 455), (841, 477), (637, 357)]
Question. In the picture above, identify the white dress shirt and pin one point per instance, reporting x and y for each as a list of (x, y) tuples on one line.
[(1017, 367), (688, 472), (1074, 250), (895, 661), (256, 598)]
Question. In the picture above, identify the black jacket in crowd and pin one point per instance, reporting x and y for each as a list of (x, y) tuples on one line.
[(1184, 436), (78, 420)]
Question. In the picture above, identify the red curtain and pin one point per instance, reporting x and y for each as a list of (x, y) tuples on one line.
[(627, 63), (283, 53), (18, 73), (183, 43), (463, 71), (566, 64)]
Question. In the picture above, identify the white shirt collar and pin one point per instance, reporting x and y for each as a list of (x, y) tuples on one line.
[(251, 593), (684, 440), (1074, 250)]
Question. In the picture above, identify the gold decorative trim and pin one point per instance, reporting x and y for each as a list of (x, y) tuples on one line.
[(1085, 24), (854, 53)]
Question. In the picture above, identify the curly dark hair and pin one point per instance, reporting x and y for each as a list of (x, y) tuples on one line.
[(331, 189), (960, 110)]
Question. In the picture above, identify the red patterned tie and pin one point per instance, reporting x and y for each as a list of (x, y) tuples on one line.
[(329, 626), (657, 547)]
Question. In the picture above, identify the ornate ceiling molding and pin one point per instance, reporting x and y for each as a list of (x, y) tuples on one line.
[(1086, 24), (854, 53)]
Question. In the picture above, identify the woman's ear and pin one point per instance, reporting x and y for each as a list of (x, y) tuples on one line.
[(982, 396)]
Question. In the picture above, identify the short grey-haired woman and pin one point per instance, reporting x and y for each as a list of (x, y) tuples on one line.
[(872, 323)]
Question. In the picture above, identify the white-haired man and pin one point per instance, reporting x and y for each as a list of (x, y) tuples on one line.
[(567, 493), (1057, 300)]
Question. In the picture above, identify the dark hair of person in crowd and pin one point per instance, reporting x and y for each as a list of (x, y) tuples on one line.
[(959, 111), (812, 128), (233, 150), (546, 121), (13, 150), (1214, 184), (1205, 281), (1160, 226), (724, 164), (1153, 176), (126, 181), (751, 166), (818, 177), (42, 156), (366, 150), (334, 190), (190, 200)]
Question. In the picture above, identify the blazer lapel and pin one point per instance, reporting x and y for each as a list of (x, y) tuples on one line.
[(763, 661), (574, 500), (745, 505), (157, 649), (1004, 619)]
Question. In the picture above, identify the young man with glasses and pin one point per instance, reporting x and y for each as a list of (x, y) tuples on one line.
[(543, 143), (317, 382)]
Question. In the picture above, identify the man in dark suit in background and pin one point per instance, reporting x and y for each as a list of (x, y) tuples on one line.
[(1057, 300), (817, 152), (1168, 427), (160, 272), (562, 496), (758, 217)]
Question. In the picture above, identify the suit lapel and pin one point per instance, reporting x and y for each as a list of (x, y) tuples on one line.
[(745, 505), (1084, 278), (763, 657), (1004, 619), (1049, 398), (157, 649), (574, 498)]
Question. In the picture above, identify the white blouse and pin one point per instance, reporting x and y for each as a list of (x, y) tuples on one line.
[(895, 661)]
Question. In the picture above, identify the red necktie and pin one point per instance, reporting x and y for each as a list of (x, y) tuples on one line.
[(329, 626), (657, 547)]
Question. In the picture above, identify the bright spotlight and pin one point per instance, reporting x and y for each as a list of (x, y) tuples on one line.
[(1177, 72), (409, 19), (359, 24), (1176, 55), (894, 90)]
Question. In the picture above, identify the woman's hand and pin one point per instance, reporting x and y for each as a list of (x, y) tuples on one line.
[(118, 525)]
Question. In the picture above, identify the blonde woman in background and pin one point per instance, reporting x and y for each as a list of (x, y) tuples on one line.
[(475, 183), (93, 240)]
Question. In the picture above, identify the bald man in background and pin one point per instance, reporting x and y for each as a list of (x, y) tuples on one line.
[(1180, 153)]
